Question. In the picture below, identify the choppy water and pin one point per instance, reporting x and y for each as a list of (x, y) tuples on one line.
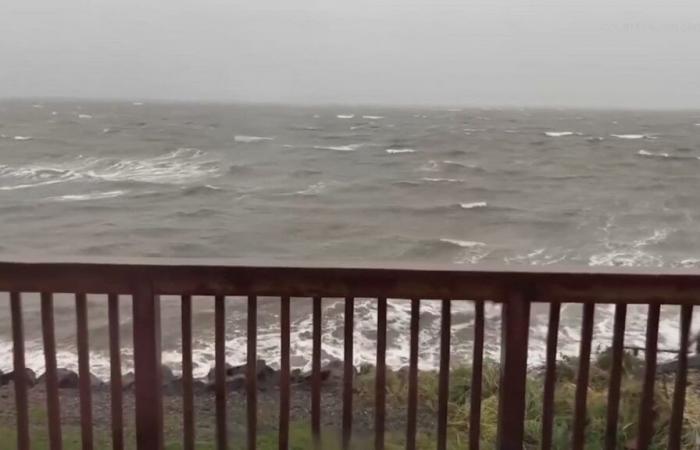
[(351, 184)]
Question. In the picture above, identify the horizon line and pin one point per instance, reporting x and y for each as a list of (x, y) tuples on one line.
[(376, 105)]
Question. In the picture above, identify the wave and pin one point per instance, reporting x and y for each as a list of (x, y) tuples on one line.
[(89, 196), (251, 139), (473, 205), (632, 252), (345, 116), (461, 243), (561, 133), (339, 148), (633, 136), (443, 180), (399, 150), (314, 189), (180, 166), (664, 155)]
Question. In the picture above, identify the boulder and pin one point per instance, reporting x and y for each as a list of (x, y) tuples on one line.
[(266, 375), (334, 370), (128, 381), (29, 377), (167, 375), (66, 379), (297, 376), (230, 371), (330, 373)]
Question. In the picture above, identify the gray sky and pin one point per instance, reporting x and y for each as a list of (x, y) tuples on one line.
[(589, 53)]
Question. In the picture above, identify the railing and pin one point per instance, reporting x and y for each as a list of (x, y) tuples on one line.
[(515, 290)]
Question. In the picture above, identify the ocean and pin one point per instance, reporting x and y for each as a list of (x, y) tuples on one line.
[(348, 184)]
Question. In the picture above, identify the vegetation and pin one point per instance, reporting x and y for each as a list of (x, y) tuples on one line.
[(460, 379)]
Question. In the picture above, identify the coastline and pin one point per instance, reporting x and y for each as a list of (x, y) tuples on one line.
[(363, 407)]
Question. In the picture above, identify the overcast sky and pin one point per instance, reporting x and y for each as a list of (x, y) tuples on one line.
[(589, 53)]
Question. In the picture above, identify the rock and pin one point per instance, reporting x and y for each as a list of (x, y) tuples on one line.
[(266, 374), (128, 381), (330, 373), (230, 370), (296, 376), (333, 371), (235, 382), (167, 375), (66, 379), (29, 376)]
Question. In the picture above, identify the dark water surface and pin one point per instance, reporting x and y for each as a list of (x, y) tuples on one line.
[(350, 184)]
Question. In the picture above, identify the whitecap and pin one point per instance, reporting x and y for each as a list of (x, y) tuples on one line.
[(38, 106), (648, 154), (463, 244), (559, 133), (653, 155), (22, 138), (339, 148), (176, 167), (89, 196), (137, 103), (372, 117), (313, 189), (443, 180), (345, 116), (630, 136), (399, 150), (473, 205), (690, 263), (13, 187), (251, 139), (84, 116)]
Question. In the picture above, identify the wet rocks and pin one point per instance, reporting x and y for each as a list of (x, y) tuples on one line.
[(236, 376), (69, 379), (29, 377), (267, 378)]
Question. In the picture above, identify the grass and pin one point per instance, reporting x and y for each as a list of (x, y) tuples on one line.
[(301, 439)]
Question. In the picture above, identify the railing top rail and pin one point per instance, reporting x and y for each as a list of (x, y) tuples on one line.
[(235, 277)]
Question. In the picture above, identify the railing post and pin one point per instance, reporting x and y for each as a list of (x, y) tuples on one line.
[(515, 325), (147, 368)]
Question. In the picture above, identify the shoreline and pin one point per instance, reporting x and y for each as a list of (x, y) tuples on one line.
[(363, 405)]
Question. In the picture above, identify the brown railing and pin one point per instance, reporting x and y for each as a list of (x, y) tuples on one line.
[(515, 290)]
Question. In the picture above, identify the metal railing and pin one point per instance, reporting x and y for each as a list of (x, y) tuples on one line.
[(516, 290)]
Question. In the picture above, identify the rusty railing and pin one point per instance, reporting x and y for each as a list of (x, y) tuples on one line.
[(515, 290)]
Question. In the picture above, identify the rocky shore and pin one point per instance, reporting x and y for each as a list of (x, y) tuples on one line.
[(363, 406), (204, 401)]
